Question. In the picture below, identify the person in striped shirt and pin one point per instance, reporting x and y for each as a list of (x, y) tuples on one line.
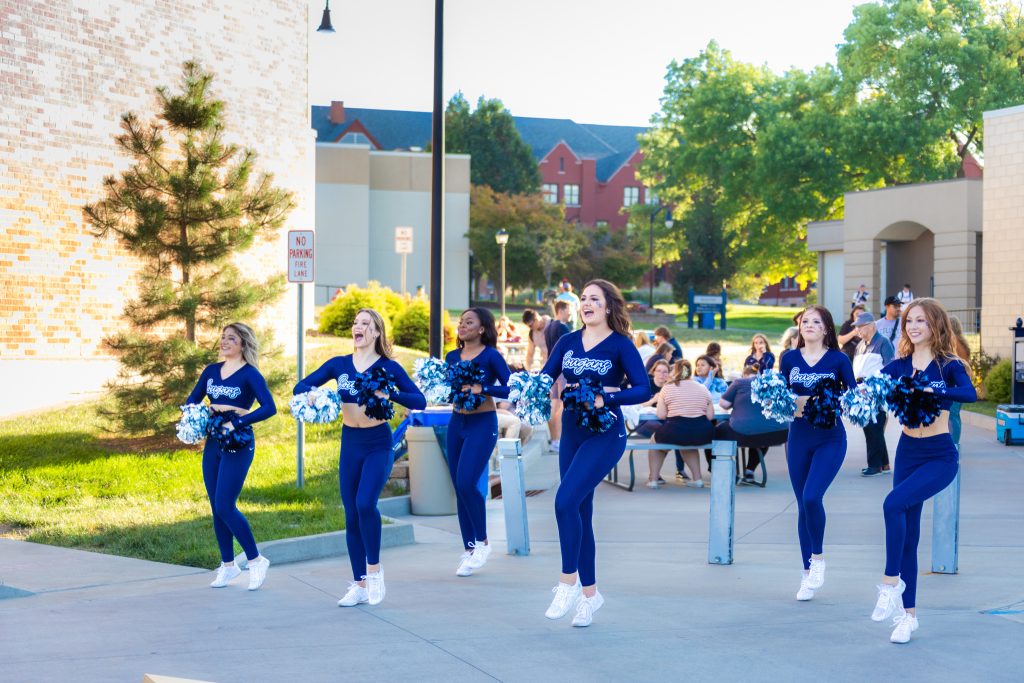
[(687, 412)]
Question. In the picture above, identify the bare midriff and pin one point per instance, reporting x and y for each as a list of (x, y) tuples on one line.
[(486, 407), (355, 416), (940, 426)]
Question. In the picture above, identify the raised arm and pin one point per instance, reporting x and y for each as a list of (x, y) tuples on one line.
[(267, 406), (407, 394), (639, 386), (319, 377)]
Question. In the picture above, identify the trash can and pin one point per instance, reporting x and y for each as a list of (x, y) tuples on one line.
[(707, 321), (430, 485)]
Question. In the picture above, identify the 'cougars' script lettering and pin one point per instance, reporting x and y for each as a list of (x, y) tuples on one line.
[(808, 379), (215, 391), (346, 384), (581, 365)]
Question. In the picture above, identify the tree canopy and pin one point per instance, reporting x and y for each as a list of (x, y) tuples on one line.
[(501, 160)]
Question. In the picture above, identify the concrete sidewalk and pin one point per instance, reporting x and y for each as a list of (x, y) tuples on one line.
[(669, 615)]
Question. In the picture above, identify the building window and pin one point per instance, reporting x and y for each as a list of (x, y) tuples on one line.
[(561, 164), (355, 139), (601, 224), (550, 192), (650, 197), (630, 196), (571, 195)]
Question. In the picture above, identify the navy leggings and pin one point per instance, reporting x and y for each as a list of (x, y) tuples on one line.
[(923, 468), (471, 439), (584, 459), (815, 456), (363, 471), (224, 473)]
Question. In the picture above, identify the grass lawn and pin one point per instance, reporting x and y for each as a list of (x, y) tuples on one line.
[(67, 481), (983, 407), (742, 321)]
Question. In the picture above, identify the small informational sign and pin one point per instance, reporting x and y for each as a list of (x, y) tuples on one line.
[(300, 256), (403, 240)]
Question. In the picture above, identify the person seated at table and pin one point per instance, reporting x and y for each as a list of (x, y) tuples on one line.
[(662, 352), (662, 335), (707, 376), (687, 411), (760, 354), (509, 425), (507, 330), (658, 377), (746, 425), (790, 339), (644, 346), (714, 351)]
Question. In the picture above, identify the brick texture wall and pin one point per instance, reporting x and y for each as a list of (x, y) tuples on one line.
[(68, 70)]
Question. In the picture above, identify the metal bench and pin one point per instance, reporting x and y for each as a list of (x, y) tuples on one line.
[(633, 445)]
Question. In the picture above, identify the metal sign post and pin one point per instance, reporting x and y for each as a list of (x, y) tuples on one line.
[(300, 270), (403, 246)]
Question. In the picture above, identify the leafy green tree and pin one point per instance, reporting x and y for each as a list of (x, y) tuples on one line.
[(189, 202), (501, 160), (615, 255), (708, 260)]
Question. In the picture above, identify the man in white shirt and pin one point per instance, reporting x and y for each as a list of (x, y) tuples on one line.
[(889, 326), (573, 301), (905, 296)]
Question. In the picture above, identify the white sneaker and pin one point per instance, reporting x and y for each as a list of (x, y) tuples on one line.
[(654, 485), (375, 587), (816, 577), (585, 608), (889, 602), (355, 595), (258, 572), (565, 597), (905, 625), (806, 592), (226, 573), (554, 446), (481, 551), (465, 564), (696, 484)]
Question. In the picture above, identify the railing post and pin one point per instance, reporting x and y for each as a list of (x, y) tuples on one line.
[(513, 496), (946, 528), (723, 502)]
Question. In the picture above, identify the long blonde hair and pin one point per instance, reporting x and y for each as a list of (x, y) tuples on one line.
[(943, 342), (681, 370), (250, 345)]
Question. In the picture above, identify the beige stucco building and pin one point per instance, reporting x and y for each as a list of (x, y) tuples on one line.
[(362, 195)]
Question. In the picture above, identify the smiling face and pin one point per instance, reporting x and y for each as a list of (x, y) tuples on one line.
[(812, 327), (230, 344), (917, 329), (593, 307), (364, 331), (470, 328)]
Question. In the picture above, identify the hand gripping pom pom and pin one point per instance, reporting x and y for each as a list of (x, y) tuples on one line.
[(912, 406), (318, 406), (192, 425), (580, 399), (367, 384), (530, 396), (465, 373), (233, 440), (431, 376), (822, 408), (777, 402), (862, 403)]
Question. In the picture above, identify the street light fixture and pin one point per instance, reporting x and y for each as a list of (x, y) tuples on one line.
[(501, 237), (325, 23), (668, 224)]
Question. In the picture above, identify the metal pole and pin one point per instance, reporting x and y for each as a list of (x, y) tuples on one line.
[(502, 293), (403, 273), (650, 261), (300, 435), (437, 189), (513, 496), (723, 502), (946, 528)]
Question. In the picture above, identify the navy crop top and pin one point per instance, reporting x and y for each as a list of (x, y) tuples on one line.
[(612, 360), (802, 377), (243, 387), (494, 366), (950, 382), (342, 370)]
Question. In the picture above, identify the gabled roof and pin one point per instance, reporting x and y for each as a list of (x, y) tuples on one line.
[(610, 146)]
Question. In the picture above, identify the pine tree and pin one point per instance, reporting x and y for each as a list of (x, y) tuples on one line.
[(188, 204)]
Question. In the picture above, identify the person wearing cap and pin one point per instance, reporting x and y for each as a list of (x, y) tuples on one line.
[(889, 325), (860, 297), (873, 353)]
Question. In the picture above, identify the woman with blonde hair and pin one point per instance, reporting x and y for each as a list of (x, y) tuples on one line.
[(643, 345), (790, 339), (687, 411), (926, 460), (232, 386)]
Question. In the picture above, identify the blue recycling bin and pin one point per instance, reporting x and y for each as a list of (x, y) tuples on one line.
[(439, 421), (707, 321)]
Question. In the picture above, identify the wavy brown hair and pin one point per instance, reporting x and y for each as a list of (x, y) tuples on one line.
[(944, 340), (681, 370), (753, 344), (382, 346), (618, 318), (831, 341)]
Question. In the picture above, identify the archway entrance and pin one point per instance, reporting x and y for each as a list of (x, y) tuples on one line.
[(907, 256)]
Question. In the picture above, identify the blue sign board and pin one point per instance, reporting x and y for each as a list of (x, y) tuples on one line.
[(705, 307)]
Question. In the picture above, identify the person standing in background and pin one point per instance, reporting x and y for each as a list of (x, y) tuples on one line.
[(874, 352), (848, 338), (570, 298), (662, 335), (905, 296), (889, 326), (860, 297)]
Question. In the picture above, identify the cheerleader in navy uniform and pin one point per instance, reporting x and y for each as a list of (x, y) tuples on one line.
[(366, 455), (926, 457), (473, 430), (817, 372), (232, 386), (593, 439)]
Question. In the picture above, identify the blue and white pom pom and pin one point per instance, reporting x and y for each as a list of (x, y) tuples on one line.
[(912, 406), (229, 440), (431, 376), (461, 374), (770, 391), (192, 425), (580, 399), (319, 406), (862, 403), (822, 408), (367, 384), (530, 396)]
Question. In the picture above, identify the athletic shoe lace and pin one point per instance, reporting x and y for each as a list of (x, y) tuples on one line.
[(585, 610), (562, 592), (904, 621)]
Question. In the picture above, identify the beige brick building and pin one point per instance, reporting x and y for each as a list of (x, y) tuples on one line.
[(68, 70)]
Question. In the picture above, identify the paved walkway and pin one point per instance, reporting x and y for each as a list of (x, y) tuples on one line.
[(668, 616)]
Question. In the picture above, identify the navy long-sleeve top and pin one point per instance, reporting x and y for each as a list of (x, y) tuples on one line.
[(767, 361), (494, 366), (949, 381), (803, 378), (613, 359), (343, 371), (240, 389)]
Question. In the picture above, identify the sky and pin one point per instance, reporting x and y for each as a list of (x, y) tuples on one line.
[(594, 61)]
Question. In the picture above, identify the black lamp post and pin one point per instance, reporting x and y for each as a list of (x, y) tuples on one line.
[(501, 237), (650, 225), (325, 23)]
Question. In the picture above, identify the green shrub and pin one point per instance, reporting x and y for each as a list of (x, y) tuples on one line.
[(998, 382), (411, 328), (337, 317)]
